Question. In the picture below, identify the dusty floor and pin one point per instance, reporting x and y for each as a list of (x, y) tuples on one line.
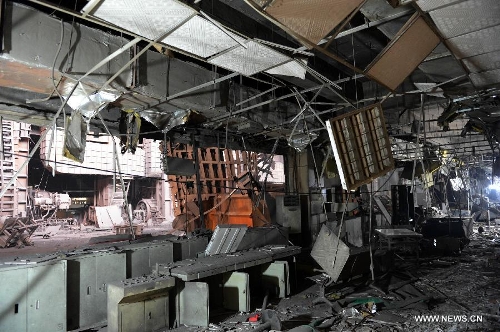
[(459, 292)]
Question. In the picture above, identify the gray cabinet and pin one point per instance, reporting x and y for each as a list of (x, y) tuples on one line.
[(142, 257), (33, 297), (88, 278), (139, 304)]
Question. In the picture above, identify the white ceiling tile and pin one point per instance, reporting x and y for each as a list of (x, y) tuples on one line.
[(475, 43), (147, 18), (483, 62), (291, 68), (485, 78), (251, 60), (466, 17), (201, 37), (428, 5)]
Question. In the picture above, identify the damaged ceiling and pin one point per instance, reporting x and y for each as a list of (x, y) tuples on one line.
[(261, 70)]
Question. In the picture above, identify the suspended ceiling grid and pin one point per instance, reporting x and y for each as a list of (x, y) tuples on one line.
[(185, 38), (470, 29)]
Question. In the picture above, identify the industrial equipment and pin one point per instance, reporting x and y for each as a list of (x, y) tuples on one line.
[(43, 205)]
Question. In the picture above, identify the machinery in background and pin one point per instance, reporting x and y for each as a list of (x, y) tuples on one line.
[(43, 206), (42, 210)]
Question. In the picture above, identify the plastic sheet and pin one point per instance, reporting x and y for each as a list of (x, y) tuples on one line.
[(87, 100), (167, 121), (300, 141), (75, 137)]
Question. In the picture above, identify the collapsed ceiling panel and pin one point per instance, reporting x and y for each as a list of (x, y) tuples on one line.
[(477, 42), (414, 42), (483, 62), (485, 78), (251, 60), (465, 17), (201, 37), (361, 146), (428, 5), (307, 20), (148, 18), (291, 68)]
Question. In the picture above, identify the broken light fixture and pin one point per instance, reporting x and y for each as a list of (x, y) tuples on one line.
[(361, 146)]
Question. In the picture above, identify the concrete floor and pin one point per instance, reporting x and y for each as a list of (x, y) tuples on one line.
[(455, 288)]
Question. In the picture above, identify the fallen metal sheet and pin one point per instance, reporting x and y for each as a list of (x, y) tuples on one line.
[(467, 16), (201, 37), (307, 20), (225, 239), (193, 304), (147, 18), (291, 68), (251, 60), (108, 216), (336, 258), (236, 291), (413, 43), (474, 43)]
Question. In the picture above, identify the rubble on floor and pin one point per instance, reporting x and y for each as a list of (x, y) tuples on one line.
[(438, 293)]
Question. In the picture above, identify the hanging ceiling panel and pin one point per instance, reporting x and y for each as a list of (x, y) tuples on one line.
[(291, 68), (466, 17), (428, 5), (251, 60), (361, 146), (475, 43), (413, 43), (148, 18), (307, 20), (485, 78), (483, 62), (201, 37)]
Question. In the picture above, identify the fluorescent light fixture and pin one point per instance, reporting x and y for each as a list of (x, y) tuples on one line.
[(361, 146)]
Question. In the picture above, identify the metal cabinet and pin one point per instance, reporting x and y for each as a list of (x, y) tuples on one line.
[(188, 248), (88, 279), (142, 257), (139, 304), (33, 297)]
